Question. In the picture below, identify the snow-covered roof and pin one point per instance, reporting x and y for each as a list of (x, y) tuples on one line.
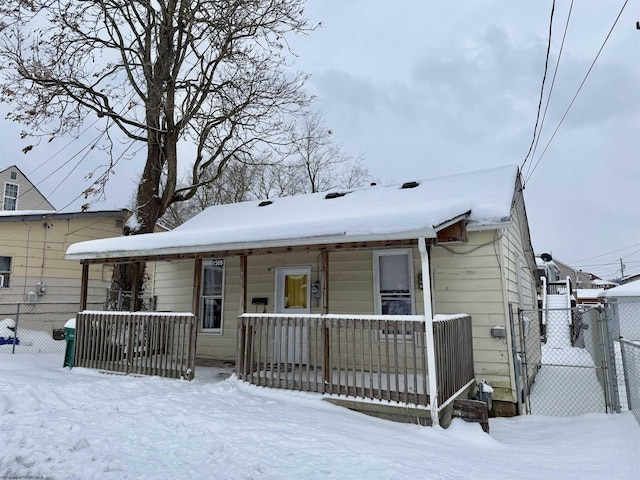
[(631, 289), (30, 215), (603, 283), (20, 213), (589, 292), (366, 214)]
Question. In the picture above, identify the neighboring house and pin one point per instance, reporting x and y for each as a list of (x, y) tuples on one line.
[(579, 279), (630, 278), (555, 270), (463, 238), (18, 193), (32, 248), (34, 238)]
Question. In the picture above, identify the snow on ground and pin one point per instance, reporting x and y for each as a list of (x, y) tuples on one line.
[(75, 424), (567, 383)]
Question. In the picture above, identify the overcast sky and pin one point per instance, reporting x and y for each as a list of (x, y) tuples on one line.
[(426, 88)]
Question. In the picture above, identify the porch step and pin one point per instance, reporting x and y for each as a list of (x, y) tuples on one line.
[(472, 411), (395, 413)]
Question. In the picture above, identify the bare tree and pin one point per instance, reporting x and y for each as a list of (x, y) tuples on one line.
[(233, 185), (311, 162), (208, 72), (319, 163)]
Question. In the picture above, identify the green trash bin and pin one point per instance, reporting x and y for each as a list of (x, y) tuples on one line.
[(70, 338)]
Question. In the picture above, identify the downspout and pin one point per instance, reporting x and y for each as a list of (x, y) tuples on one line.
[(428, 319)]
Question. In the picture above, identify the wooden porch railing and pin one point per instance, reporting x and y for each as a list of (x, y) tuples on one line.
[(376, 357), (454, 354), (148, 343)]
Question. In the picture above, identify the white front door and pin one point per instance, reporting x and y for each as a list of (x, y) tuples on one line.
[(293, 296)]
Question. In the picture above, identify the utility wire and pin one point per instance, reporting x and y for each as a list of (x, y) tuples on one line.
[(578, 91), (544, 78), (605, 254), (553, 80)]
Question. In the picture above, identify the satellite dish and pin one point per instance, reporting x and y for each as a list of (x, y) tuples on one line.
[(546, 257)]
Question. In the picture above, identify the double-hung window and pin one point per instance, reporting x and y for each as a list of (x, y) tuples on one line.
[(212, 298), (10, 199), (5, 272), (393, 284)]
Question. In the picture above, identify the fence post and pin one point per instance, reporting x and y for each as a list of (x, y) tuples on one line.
[(15, 331), (610, 358), (625, 364)]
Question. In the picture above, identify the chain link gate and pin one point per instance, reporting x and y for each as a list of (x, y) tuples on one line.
[(569, 375)]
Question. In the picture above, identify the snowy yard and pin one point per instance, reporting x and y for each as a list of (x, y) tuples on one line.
[(60, 423)]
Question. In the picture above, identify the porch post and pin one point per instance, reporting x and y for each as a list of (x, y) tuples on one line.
[(245, 349), (428, 318), (135, 288), (197, 279), (243, 284), (84, 286), (324, 270)]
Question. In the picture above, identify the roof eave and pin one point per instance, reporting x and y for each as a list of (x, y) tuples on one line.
[(295, 242)]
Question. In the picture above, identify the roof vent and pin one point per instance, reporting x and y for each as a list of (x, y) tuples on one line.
[(410, 185), (265, 203), (331, 195)]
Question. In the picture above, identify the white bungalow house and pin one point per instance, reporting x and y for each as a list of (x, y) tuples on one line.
[(351, 292)]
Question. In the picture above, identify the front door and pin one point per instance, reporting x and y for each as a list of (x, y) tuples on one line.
[(293, 285)]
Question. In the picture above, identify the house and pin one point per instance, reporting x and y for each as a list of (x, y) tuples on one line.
[(19, 193), (450, 245), (34, 238)]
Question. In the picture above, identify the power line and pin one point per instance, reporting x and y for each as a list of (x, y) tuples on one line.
[(605, 254), (578, 91), (553, 80), (544, 79)]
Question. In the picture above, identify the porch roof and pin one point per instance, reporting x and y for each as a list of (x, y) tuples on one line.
[(376, 213)]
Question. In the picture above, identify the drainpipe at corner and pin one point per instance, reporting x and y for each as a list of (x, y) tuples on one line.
[(428, 318)]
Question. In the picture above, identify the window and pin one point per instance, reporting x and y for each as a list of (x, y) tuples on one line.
[(5, 272), (212, 298), (10, 197), (393, 283), (14, 175)]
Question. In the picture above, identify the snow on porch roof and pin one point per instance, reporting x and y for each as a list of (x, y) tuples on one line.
[(367, 214)]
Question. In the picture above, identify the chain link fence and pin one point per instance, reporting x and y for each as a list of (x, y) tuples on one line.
[(572, 376), (623, 315), (36, 327), (630, 353)]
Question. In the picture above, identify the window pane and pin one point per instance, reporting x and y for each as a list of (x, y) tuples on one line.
[(5, 264), (11, 190), (212, 280), (9, 204), (211, 313), (396, 305), (295, 291), (394, 273)]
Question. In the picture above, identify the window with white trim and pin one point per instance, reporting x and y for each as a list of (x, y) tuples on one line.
[(393, 284), (212, 296), (10, 200), (5, 272)]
